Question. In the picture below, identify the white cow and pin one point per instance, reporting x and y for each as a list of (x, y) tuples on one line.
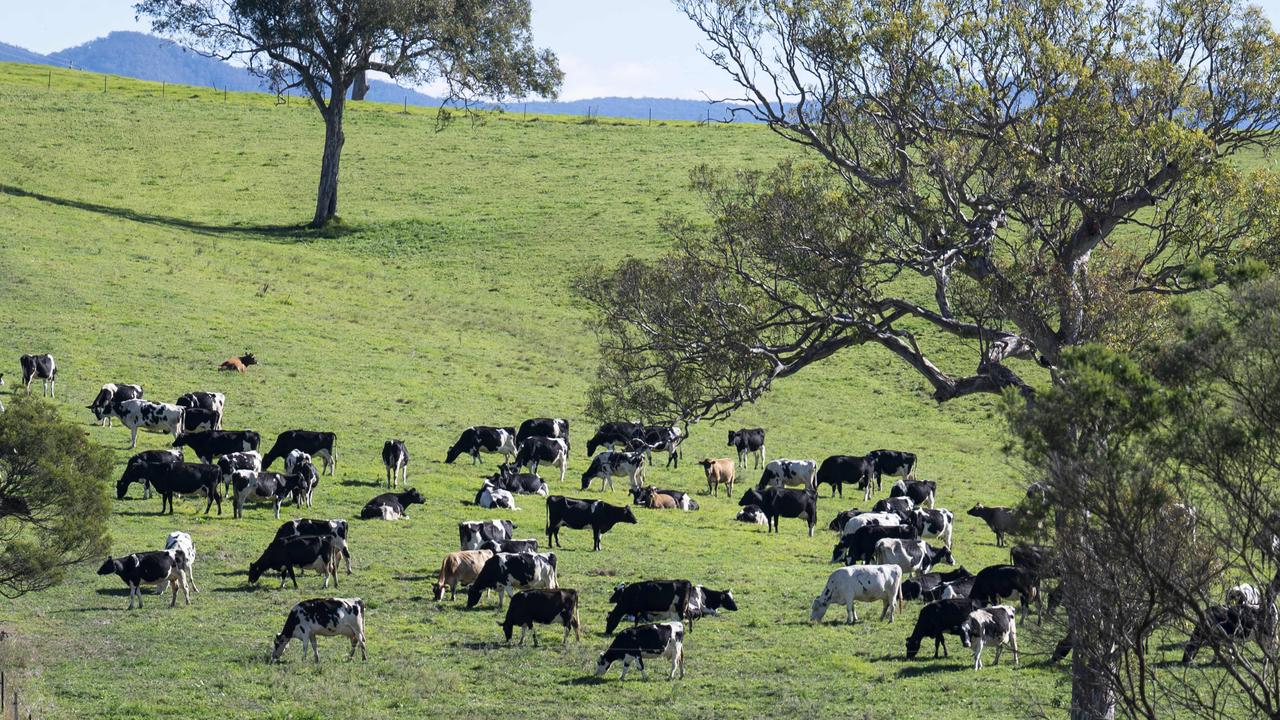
[(868, 518), (789, 473), (151, 417), (179, 540), (992, 625), (850, 584), (491, 496), (911, 555)]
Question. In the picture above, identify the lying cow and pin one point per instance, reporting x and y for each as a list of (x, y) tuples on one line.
[(507, 572), (111, 394), (459, 568), (848, 585), (326, 617), (483, 439), (637, 643), (509, 479), (752, 514), (492, 496), (530, 607), (655, 498), (579, 514), (158, 567), (391, 506)]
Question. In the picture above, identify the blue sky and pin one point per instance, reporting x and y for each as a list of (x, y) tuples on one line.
[(630, 48)]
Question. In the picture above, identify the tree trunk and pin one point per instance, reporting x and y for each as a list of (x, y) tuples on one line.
[(1091, 698), (360, 87), (327, 195)]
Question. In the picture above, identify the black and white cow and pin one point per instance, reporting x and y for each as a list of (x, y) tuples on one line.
[(663, 438), (789, 473), (181, 541), (1229, 624), (214, 402), (929, 586), (174, 478), (645, 641), (900, 506), (104, 405), (920, 492), (993, 625), (491, 496), (314, 443), (269, 486), (507, 572), (753, 515), (913, 556), (149, 416), (937, 620), (299, 463), (484, 439), (893, 462), (861, 520), (579, 514), (543, 427), (231, 462), (677, 599), (840, 470), (996, 582), (157, 567), (317, 528), (860, 546), (608, 464), (474, 533), (153, 456), (778, 503), (309, 552), (391, 506), (395, 458), (933, 523), (613, 434), (40, 367), (325, 617), (509, 479), (748, 440), (199, 420), (537, 450), (848, 585), (706, 602), (523, 545), (530, 607), (210, 444)]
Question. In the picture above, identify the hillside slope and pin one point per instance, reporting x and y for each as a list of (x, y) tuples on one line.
[(145, 238)]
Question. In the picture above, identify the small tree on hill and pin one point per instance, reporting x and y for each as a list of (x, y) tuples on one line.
[(54, 503), (478, 48)]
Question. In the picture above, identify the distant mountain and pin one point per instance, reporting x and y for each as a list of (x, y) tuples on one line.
[(147, 57)]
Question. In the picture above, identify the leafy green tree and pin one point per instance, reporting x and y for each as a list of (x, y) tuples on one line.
[(478, 48), (54, 500)]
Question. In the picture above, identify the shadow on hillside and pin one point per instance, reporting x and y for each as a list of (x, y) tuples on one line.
[(294, 232), (943, 665)]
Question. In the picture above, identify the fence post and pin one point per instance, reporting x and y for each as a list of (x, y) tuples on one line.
[(162, 84), (650, 117), (50, 85), (224, 94), (15, 704), (104, 83), (406, 104)]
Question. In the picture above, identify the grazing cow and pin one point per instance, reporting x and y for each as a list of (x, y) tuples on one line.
[(992, 625), (928, 587), (677, 599), (1228, 624), (511, 546), (474, 533), (996, 582), (613, 434), (542, 607), (395, 458), (460, 568), (578, 514), (893, 463), (492, 496), (198, 420), (149, 417), (860, 546), (104, 405), (507, 478), (1001, 520), (391, 506), (848, 585), (231, 462), (309, 552), (536, 450), (933, 523), (748, 440), (210, 444), (656, 498), (157, 567), (205, 400), (308, 441), (665, 438), (174, 478), (838, 470), (274, 487), (789, 473), (543, 427), (719, 472), (900, 506), (609, 463), (920, 492), (937, 620), (911, 555), (637, 643), (862, 520), (151, 456), (327, 617), (752, 514), (42, 367), (508, 572), (704, 602), (484, 439), (238, 364), (310, 527), (779, 503), (182, 542)]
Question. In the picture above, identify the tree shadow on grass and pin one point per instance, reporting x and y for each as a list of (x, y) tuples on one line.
[(588, 680), (296, 233), (932, 667)]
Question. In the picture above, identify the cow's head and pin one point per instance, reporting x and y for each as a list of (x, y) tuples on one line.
[(752, 497), (255, 572), (913, 646), (277, 649), (248, 359), (732, 435), (131, 474), (412, 496), (627, 516), (819, 607), (111, 565)]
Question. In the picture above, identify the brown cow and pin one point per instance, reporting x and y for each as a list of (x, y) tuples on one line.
[(660, 501), (238, 363), (460, 568), (718, 472)]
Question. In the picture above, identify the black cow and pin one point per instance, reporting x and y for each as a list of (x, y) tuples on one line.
[(781, 502), (1223, 624), (1001, 581), (508, 571), (395, 458), (543, 607), (929, 585), (860, 545), (149, 568), (748, 440), (104, 405), (613, 434), (311, 442), (169, 479), (152, 456), (317, 528), (838, 470), (309, 552), (391, 505), (213, 443), (40, 367), (893, 462), (543, 427), (199, 420), (484, 439), (675, 598), (938, 619), (1001, 520), (539, 449), (921, 492), (579, 514), (1039, 559)]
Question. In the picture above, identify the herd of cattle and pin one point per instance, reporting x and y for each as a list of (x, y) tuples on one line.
[(883, 551)]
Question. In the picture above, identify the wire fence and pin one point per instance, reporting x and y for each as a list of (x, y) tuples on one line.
[(10, 702)]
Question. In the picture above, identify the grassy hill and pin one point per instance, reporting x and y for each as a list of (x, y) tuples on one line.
[(144, 238)]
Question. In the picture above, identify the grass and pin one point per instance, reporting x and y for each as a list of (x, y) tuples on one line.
[(145, 238)]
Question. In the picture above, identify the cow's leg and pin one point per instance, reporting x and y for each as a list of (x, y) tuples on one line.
[(534, 630), (363, 655), (191, 578), (315, 646), (999, 647), (977, 652), (354, 641), (596, 537), (133, 439), (626, 665)]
